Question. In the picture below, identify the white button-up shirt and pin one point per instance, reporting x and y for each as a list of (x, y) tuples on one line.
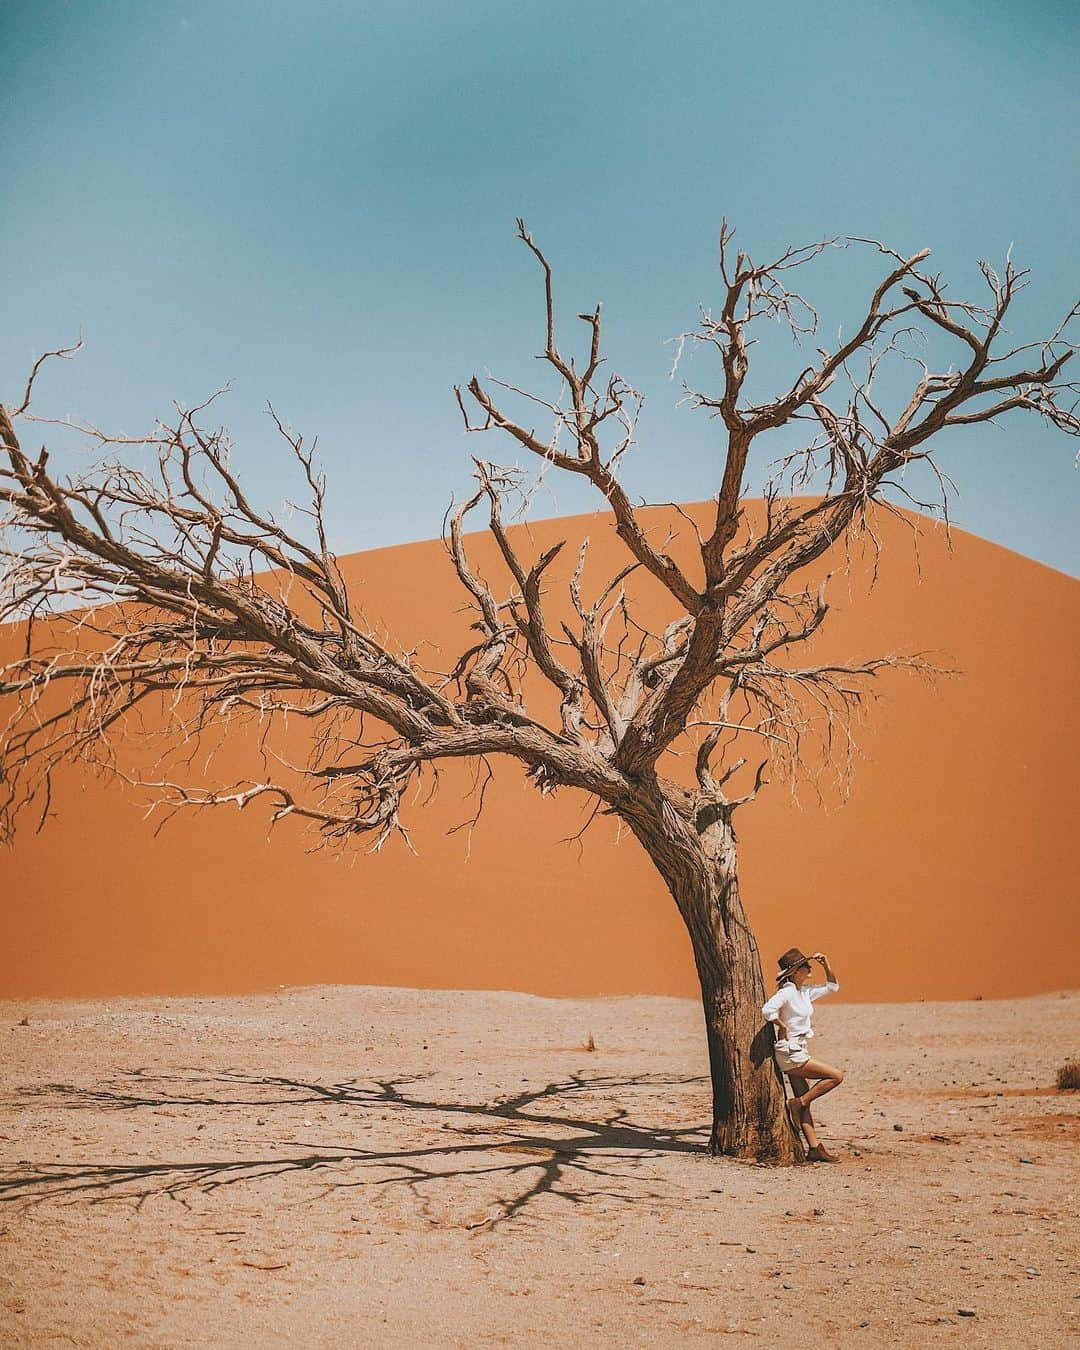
[(796, 1006)]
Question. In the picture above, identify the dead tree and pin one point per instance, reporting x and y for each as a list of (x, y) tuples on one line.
[(155, 579)]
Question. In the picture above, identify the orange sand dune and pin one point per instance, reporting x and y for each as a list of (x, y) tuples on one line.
[(948, 874)]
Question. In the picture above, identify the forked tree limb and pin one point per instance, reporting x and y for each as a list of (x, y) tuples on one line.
[(174, 585)]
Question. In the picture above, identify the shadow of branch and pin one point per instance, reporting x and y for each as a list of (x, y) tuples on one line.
[(535, 1142)]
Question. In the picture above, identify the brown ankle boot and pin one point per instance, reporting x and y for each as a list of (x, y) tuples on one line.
[(821, 1154)]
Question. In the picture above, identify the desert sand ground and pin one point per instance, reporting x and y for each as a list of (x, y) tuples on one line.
[(370, 1166)]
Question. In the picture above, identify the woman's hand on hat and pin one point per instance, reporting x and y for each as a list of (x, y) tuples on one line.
[(820, 956)]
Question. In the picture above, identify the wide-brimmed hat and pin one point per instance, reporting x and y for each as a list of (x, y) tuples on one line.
[(791, 960)]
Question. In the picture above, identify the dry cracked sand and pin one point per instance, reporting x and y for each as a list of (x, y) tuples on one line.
[(389, 1167)]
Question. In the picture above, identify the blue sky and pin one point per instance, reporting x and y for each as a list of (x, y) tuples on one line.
[(316, 202)]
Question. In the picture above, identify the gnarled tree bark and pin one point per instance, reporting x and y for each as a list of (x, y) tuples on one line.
[(701, 872)]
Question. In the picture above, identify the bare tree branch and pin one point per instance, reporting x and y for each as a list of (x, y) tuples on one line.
[(137, 588)]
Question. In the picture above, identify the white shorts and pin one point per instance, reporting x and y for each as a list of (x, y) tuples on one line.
[(791, 1055)]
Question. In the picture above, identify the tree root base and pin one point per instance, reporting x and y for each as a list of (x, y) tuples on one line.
[(757, 1152)]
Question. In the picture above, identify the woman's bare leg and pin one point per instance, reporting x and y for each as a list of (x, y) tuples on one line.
[(799, 1086), (829, 1078)]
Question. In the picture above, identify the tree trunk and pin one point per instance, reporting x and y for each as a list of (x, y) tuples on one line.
[(700, 870)]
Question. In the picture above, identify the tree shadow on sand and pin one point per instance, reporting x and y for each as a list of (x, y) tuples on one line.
[(533, 1143)]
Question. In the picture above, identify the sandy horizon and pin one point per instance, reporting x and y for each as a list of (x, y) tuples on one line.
[(32, 1002)]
